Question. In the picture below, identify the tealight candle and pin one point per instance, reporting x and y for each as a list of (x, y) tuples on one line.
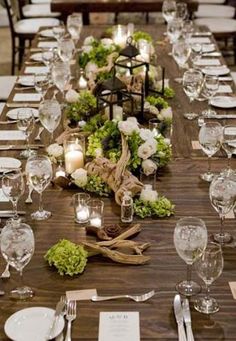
[(82, 214), (96, 213), (81, 208), (60, 172), (74, 152), (97, 222), (117, 113)]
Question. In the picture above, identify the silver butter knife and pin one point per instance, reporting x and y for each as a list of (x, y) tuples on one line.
[(179, 318), (59, 308), (187, 319)]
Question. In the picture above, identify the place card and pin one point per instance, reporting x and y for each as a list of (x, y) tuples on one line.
[(196, 145), (232, 286), (36, 69), (208, 61), (226, 89), (6, 135), (81, 295), (3, 198), (32, 97), (48, 44), (116, 326), (199, 40)]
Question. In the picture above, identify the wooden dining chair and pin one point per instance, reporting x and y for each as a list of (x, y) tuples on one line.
[(33, 10), (23, 30)]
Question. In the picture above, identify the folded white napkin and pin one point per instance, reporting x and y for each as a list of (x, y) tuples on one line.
[(36, 69), (26, 80), (6, 135), (199, 40), (208, 61), (226, 89), (32, 97), (3, 198), (48, 44)]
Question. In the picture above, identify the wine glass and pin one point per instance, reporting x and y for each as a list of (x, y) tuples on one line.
[(210, 88), (74, 26), (209, 267), (190, 240), (187, 30), (39, 174), (229, 143), (196, 53), (168, 10), (13, 187), (50, 115), (181, 11), (210, 139), (59, 31), (192, 83), (181, 52), (61, 76), (222, 194), (66, 49), (41, 84), (17, 248), (25, 123), (174, 29)]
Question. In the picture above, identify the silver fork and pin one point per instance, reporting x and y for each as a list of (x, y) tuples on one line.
[(6, 273), (136, 298), (70, 316)]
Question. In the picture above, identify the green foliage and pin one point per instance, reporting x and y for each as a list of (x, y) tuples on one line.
[(161, 208), (158, 102), (94, 123), (85, 106), (134, 141), (69, 258), (102, 76), (169, 92), (164, 152), (96, 185), (142, 35)]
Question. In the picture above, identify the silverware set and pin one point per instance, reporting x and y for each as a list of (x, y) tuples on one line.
[(183, 317)]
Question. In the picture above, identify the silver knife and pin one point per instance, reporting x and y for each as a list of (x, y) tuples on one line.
[(187, 319), (19, 105), (9, 214), (20, 147), (59, 308), (217, 116), (179, 318)]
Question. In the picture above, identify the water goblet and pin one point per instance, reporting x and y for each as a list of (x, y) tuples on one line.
[(210, 139), (74, 26), (209, 267), (41, 84), (187, 30), (61, 76), (59, 31), (190, 240), (181, 11), (17, 248), (169, 10), (222, 194), (50, 115), (13, 187), (196, 53), (210, 88), (174, 30), (39, 174), (25, 123), (66, 49), (192, 83), (181, 52), (229, 143)]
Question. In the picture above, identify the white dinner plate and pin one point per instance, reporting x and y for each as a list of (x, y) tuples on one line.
[(26, 80), (47, 33), (7, 163), (12, 114), (32, 324), (216, 70), (37, 57), (225, 102)]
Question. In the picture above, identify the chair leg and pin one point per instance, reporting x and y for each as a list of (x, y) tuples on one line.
[(13, 57), (21, 51)]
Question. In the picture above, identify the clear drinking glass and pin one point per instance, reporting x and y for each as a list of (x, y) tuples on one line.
[(153, 125), (74, 26), (59, 31), (229, 143), (41, 84), (13, 187), (210, 87), (174, 30), (210, 139), (222, 194), (50, 115), (192, 83), (61, 76), (187, 30), (17, 248), (209, 267), (96, 212), (181, 11), (181, 52), (66, 49), (81, 207), (190, 240), (25, 123), (168, 10), (39, 174)]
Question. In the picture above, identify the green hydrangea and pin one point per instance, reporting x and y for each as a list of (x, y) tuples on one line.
[(160, 208), (84, 107)]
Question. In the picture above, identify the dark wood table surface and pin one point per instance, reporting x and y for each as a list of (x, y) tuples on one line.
[(180, 182), (66, 7)]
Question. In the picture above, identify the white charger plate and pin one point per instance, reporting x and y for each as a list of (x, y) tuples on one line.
[(37, 57), (26, 80), (12, 114), (7, 163), (32, 324), (216, 70), (225, 102), (47, 33)]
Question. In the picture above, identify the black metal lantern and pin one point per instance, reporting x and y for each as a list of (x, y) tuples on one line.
[(113, 92)]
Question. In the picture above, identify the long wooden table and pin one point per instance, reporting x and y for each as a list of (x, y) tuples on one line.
[(66, 7), (180, 182)]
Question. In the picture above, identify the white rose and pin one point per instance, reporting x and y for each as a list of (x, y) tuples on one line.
[(87, 48), (89, 40), (91, 68), (133, 120), (80, 177), (149, 167), (147, 105), (55, 150), (148, 195), (72, 96), (147, 149), (166, 113), (153, 110), (81, 123), (107, 42), (146, 134), (167, 140), (127, 127)]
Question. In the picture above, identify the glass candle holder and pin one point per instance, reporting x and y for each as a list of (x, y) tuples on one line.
[(74, 150), (120, 35), (81, 208), (148, 178), (153, 124), (144, 50), (96, 213)]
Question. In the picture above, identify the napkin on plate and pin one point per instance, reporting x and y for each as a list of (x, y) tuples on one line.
[(36, 69), (208, 61), (32, 97), (6, 135), (48, 44), (199, 40), (3, 198), (225, 89)]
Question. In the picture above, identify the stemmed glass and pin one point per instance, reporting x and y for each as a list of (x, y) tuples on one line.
[(25, 123), (66, 49), (50, 115), (192, 83), (39, 174), (74, 26), (190, 240), (181, 11), (168, 10), (181, 52), (209, 267), (13, 187), (229, 143), (222, 194), (174, 30), (61, 76), (41, 84), (59, 31), (210, 139), (210, 87), (17, 248)]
